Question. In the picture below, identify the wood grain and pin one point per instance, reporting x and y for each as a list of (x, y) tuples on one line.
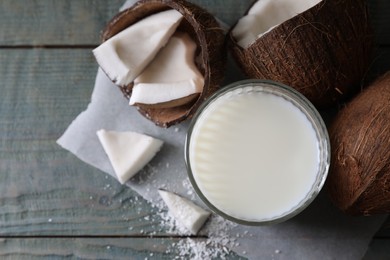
[(44, 189), (72, 23), (67, 23), (94, 248), (51, 204), (54, 22)]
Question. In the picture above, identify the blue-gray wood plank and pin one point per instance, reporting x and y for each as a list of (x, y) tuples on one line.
[(51, 204)]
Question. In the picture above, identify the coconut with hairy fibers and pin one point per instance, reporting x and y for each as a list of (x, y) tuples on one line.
[(322, 48), (359, 178)]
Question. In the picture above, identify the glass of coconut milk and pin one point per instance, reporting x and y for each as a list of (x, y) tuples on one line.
[(257, 152)]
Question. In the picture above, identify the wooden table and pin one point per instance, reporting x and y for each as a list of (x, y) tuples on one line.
[(52, 204)]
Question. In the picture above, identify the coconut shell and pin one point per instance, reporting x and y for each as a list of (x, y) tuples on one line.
[(210, 54), (359, 177), (323, 52)]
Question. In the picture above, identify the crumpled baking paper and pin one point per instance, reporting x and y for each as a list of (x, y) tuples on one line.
[(319, 232)]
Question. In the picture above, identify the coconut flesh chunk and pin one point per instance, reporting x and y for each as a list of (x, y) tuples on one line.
[(171, 77), (126, 54), (264, 15), (187, 213), (128, 152)]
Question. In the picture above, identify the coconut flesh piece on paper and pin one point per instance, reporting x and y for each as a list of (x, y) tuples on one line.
[(172, 78), (126, 54), (128, 152), (187, 213), (264, 15)]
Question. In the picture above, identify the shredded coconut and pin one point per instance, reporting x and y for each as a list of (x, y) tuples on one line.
[(146, 174), (190, 190), (215, 246)]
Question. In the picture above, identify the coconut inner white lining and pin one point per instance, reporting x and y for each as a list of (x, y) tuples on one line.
[(265, 15)]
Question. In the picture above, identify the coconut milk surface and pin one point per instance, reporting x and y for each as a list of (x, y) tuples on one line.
[(254, 155)]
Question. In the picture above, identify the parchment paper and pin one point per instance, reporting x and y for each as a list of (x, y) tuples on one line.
[(319, 232)]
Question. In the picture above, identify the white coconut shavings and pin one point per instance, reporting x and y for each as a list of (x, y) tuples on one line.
[(146, 174), (199, 250), (172, 226), (215, 246), (190, 190)]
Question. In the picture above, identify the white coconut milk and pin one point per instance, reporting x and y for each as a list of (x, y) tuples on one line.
[(254, 155)]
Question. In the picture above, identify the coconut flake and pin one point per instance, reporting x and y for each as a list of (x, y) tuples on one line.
[(172, 75), (128, 152), (126, 54), (159, 93), (187, 213), (214, 247), (264, 15)]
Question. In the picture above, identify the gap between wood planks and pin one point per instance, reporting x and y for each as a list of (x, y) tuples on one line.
[(101, 236)]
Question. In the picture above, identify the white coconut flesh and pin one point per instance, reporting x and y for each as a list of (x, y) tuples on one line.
[(156, 58), (128, 152), (265, 15), (172, 74), (187, 213), (126, 54)]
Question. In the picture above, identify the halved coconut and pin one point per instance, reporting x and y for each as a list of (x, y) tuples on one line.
[(323, 52), (359, 176), (210, 58)]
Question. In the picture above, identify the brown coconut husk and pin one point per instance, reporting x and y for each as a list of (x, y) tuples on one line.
[(210, 54), (359, 177), (323, 52)]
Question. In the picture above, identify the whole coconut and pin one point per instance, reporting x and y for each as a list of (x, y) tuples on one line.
[(323, 52), (359, 177), (210, 54)]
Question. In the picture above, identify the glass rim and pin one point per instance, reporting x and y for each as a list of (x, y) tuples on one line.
[(307, 108)]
